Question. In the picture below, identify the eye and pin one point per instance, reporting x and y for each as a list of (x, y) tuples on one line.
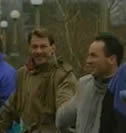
[(93, 55), (43, 46), (34, 46)]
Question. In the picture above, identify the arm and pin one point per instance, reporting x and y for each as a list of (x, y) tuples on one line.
[(10, 110), (7, 86), (66, 89), (8, 113), (66, 108), (66, 114)]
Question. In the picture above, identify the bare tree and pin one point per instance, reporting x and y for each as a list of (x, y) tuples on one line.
[(67, 19)]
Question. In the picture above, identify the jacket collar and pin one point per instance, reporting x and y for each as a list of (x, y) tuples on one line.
[(102, 84), (34, 69)]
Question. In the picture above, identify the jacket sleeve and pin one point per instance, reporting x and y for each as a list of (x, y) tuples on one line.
[(7, 86), (65, 90), (8, 113), (66, 114)]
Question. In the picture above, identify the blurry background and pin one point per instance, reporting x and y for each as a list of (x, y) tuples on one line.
[(74, 23)]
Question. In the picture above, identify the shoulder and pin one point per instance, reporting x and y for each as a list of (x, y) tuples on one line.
[(63, 66), (86, 79), (85, 82), (4, 66), (122, 70), (8, 73), (6, 69), (21, 71), (64, 71), (120, 75)]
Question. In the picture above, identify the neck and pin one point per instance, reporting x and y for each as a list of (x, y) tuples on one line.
[(108, 74), (46, 66), (111, 72), (102, 84)]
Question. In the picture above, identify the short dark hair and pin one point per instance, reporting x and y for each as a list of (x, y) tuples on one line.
[(1, 44), (42, 33), (113, 46)]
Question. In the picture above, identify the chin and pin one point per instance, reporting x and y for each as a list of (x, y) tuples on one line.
[(40, 62)]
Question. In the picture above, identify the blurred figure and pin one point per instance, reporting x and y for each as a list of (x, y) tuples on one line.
[(115, 121), (44, 84), (104, 56), (7, 77)]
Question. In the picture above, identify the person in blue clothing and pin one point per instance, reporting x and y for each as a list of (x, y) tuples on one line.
[(116, 95), (7, 77), (118, 90)]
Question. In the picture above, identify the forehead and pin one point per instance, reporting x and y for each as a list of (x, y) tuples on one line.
[(97, 47), (40, 40)]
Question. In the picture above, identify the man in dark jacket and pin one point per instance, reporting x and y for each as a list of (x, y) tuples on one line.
[(7, 78)]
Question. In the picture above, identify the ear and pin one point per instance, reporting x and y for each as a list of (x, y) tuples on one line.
[(113, 59)]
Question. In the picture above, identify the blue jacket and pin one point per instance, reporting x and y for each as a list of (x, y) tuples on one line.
[(7, 80), (117, 85)]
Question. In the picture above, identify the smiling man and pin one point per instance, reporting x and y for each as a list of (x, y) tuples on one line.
[(86, 107), (44, 84), (41, 48)]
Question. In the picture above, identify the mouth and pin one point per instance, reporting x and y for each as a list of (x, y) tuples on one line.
[(40, 57)]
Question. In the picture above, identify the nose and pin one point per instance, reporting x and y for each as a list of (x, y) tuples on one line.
[(39, 50)]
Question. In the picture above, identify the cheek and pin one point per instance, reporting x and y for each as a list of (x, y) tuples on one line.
[(103, 64), (100, 60), (96, 61), (33, 51)]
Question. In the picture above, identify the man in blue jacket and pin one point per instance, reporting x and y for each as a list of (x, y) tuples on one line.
[(115, 120), (118, 89), (7, 78)]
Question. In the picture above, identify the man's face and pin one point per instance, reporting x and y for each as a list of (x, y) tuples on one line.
[(99, 64), (41, 50)]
